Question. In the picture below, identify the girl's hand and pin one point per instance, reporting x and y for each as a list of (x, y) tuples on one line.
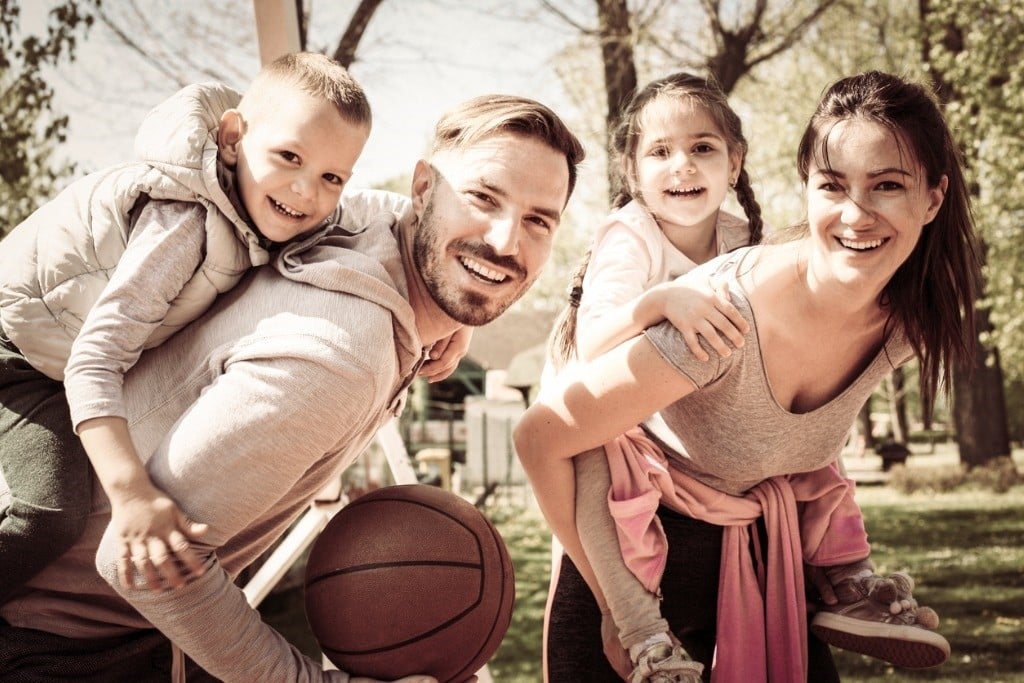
[(696, 307), (445, 355), (155, 540)]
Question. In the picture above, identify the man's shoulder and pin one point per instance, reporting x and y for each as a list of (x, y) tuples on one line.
[(363, 209)]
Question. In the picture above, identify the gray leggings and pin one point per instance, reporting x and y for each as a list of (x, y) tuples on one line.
[(45, 468)]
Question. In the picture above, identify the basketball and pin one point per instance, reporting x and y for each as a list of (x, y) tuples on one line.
[(409, 580)]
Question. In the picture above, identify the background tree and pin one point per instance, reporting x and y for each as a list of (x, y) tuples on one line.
[(974, 50), (30, 130)]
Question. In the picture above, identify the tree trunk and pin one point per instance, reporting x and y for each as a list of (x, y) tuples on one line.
[(979, 405), (864, 424), (614, 32), (979, 402), (345, 53), (898, 406)]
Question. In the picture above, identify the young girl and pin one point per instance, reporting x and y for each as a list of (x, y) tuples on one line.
[(883, 273), (680, 148)]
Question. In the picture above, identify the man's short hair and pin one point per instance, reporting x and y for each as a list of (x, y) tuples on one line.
[(488, 115)]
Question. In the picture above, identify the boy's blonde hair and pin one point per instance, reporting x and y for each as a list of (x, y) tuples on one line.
[(315, 74)]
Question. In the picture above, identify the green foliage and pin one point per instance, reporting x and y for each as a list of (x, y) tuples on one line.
[(978, 46), (30, 131)]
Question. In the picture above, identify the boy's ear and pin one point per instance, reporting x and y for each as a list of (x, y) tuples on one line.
[(422, 184), (229, 134)]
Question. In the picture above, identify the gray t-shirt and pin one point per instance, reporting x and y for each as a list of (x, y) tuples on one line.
[(731, 433)]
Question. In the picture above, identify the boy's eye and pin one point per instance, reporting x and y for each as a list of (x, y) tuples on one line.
[(334, 179), (288, 156)]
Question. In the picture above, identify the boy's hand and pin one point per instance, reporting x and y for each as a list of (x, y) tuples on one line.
[(445, 355), (697, 307), (155, 540)]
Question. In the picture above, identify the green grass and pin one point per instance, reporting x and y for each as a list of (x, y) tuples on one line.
[(965, 549)]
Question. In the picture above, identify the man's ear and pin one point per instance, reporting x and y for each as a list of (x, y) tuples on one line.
[(229, 135), (422, 185)]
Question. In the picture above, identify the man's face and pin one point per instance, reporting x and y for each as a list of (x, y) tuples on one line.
[(487, 216)]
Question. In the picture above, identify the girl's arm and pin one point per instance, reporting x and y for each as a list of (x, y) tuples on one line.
[(585, 410), (694, 306)]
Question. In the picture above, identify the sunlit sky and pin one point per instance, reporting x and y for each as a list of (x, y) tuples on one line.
[(417, 58)]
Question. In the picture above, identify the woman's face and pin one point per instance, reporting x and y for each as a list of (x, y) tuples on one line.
[(867, 205)]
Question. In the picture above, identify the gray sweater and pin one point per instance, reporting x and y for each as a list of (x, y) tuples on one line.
[(243, 417)]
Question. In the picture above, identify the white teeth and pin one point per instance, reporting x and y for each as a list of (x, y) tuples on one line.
[(860, 245), (285, 210), (482, 270), (684, 190)]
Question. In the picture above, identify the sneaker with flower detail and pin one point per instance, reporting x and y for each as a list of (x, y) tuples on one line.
[(666, 663)]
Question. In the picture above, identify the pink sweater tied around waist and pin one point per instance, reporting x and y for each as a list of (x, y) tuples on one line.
[(827, 530)]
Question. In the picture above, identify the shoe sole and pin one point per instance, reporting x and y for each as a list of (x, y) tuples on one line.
[(910, 647)]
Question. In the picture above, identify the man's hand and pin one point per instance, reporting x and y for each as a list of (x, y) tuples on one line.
[(445, 355)]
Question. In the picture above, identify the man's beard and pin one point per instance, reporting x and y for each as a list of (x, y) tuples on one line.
[(465, 307)]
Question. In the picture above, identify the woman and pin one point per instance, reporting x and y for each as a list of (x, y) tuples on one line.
[(881, 273)]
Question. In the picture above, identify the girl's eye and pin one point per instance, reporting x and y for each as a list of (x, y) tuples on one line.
[(658, 152), (289, 156), (890, 186), (703, 148), (830, 186)]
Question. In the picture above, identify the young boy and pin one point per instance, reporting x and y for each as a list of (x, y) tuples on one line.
[(124, 258)]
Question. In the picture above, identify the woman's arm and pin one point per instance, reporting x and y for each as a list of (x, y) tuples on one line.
[(589, 406)]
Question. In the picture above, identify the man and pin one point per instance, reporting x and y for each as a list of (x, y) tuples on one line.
[(247, 413)]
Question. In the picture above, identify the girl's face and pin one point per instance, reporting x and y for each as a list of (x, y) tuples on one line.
[(683, 167), (867, 206)]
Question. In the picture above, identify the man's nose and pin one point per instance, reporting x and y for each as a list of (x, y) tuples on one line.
[(503, 235)]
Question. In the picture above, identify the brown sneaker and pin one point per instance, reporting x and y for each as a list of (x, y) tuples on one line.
[(886, 626), (666, 663)]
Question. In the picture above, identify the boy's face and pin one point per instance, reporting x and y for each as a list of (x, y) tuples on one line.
[(293, 156), (487, 217)]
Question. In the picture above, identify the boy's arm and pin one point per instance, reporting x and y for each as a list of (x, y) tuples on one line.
[(247, 443), (153, 532), (163, 251)]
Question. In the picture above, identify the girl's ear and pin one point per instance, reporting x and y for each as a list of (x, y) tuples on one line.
[(936, 195), (229, 134), (627, 167), (735, 167)]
